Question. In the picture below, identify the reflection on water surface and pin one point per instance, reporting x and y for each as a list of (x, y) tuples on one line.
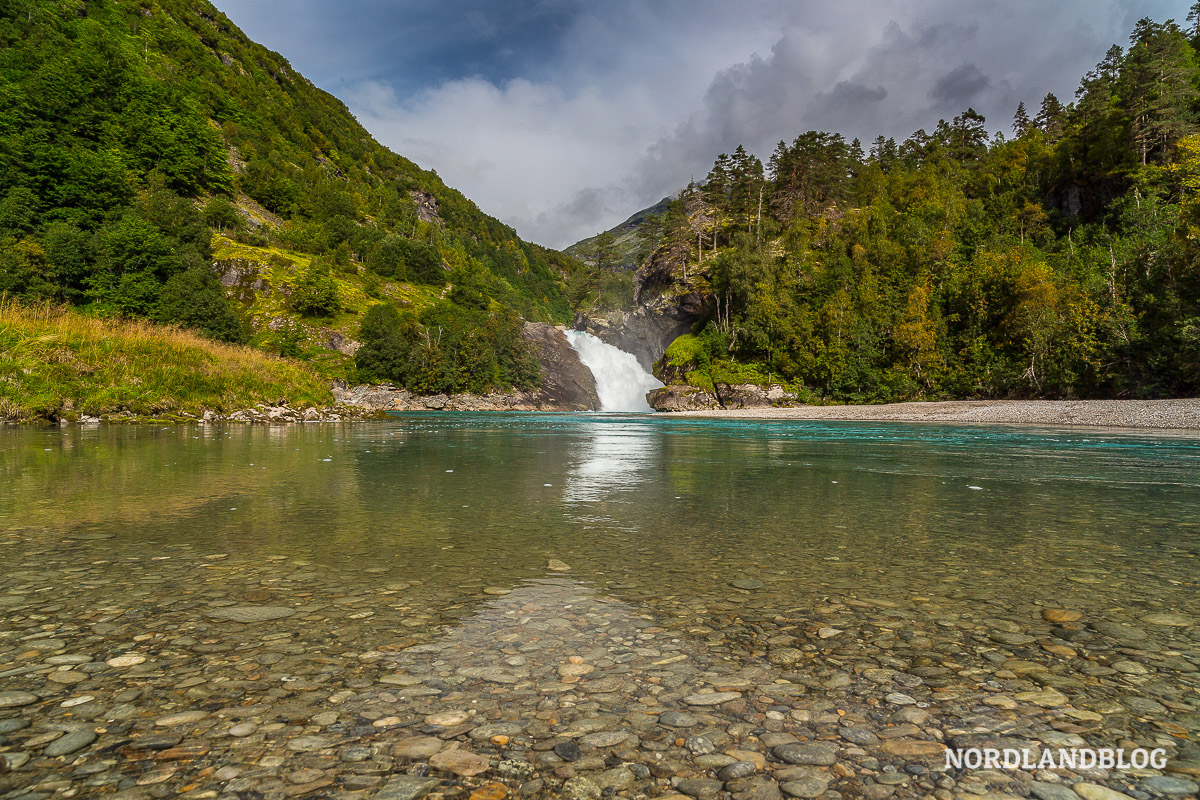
[(560, 577)]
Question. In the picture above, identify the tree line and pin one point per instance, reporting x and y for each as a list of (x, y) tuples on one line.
[(1059, 261)]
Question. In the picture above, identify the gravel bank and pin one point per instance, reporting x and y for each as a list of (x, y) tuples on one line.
[(1178, 414)]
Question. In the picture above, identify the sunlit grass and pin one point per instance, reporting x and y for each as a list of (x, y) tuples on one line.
[(56, 362)]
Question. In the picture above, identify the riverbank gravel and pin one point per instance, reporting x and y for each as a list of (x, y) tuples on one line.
[(1174, 414)]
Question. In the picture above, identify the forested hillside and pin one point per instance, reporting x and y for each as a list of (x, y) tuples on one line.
[(142, 141), (1059, 261)]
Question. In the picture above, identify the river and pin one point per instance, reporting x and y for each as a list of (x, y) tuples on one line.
[(630, 602)]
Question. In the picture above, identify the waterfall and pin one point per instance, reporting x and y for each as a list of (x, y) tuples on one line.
[(620, 380)]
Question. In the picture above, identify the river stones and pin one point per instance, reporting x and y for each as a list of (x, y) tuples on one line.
[(493, 674), (805, 787), (1169, 785), (602, 739), (1120, 631), (1168, 620), (568, 751), (748, 584), (307, 744), (859, 736), (17, 699), (70, 743), (250, 614), (128, 660), (67, 677), (574, 670), (913, 748), (1092, 791), (809, 753), (495, 729), (417, 748), (622, 679), (711, 698), (677, 719), (461, 762), (580, 788), (1048, 698), (1051, 791), (701, 788), (14, 761), (616, 779), (407, 787), (738, 769), (242, 730), (182, 718), (447, 719)]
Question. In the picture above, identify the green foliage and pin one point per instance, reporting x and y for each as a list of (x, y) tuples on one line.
[(131, 131), (404, 259), (1063, 263), (315, 292), (195, 300), (56, 362), (449, 348), (221, 215), (389, 346)]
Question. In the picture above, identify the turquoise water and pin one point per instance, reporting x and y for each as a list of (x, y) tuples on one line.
[(343, 584), (656, 503)]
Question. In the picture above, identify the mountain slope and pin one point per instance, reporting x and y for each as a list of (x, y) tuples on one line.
[(624, 246), (141, 141)]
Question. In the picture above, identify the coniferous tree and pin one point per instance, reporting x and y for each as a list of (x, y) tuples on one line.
[(1159, 87), (1021, 121), (1051, 117)]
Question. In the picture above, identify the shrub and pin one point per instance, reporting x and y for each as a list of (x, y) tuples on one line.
[(315, 292), (196, 300)]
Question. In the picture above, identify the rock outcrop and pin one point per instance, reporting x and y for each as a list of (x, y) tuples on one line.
[(567, 384), (749, 395), (667, 305), (389, 398), (681, 398)]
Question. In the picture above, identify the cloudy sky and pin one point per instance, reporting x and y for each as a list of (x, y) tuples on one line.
[(563, 117)]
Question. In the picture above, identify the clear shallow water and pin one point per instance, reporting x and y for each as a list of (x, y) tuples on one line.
[(797, 565), (492, 497)]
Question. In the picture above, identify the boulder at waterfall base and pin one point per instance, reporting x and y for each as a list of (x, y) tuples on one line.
[(681, 398)]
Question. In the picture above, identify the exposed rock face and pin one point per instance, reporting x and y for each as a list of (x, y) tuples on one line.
[(667, 307), (566, 382), (427, 206), (241, 277), (681, 398), (648, 331), (388, 398), (748, 395), (334, 340), (567, 385)]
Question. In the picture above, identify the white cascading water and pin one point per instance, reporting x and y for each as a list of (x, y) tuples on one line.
[(621, 382)]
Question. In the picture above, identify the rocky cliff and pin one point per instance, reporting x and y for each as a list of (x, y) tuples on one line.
[(566, 382), (668, 304)]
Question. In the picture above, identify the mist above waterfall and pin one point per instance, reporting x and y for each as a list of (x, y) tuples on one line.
[(621, 382)]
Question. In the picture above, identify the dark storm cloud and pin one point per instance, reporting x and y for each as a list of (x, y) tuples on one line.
[(960, 86), (562, 117), (410, 44)]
